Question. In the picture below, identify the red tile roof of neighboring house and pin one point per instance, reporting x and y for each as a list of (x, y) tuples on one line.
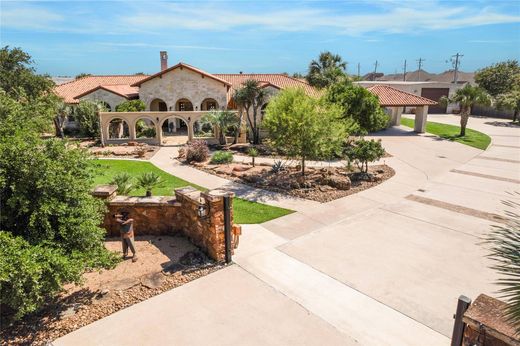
[(182, 65), (279, 81), (389, 96), (123, 90), (71, 90)]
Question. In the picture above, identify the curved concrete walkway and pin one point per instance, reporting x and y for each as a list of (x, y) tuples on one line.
[(384, 266)]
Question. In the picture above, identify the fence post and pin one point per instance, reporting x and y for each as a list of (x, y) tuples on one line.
[(227, 227), (458, 326)]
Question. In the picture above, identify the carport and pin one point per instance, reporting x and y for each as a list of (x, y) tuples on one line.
[(395, 100)]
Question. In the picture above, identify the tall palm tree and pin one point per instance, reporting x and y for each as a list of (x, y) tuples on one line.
[(326, 70), (467, 97), (243, 104), (222, 121), (252, 97)]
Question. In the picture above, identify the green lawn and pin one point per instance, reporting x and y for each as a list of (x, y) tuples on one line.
[(473, 138), (245, 212)]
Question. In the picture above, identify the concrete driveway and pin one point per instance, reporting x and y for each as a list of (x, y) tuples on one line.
[(384, 266)]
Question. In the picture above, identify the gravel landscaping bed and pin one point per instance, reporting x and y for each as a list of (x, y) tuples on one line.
[(319, 184), (125, 150), (163, 263)]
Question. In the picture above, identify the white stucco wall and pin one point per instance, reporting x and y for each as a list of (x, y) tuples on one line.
[(102, 95), (185, 83)]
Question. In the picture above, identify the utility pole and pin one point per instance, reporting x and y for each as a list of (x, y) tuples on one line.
[(404, 73), (375, 71), (420, 62), (456, 64), (358, 70)]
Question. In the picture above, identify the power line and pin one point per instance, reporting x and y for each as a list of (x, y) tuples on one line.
[(456, 64)]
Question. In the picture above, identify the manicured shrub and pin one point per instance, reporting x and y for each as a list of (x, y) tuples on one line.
[(362, 152), (197, 151), (222, 157)]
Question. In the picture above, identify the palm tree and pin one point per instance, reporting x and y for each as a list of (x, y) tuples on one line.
[(124, 184), (252, 96), (222, 121), (467, 97), (242, 102), (326, 70), (504, 243), (62, 112)]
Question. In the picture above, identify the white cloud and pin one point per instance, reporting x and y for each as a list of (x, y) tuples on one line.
[(389, 16)]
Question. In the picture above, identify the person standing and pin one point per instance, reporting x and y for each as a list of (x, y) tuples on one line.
[(126, 225)]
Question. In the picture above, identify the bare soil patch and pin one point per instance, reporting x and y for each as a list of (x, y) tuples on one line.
[(164, 262), (319, 184)]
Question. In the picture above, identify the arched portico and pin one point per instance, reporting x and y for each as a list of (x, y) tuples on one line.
[(158, 105), (175, 130), (158, 119), (183, 105), (208, 104)]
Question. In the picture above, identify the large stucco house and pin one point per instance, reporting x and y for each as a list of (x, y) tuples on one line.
[(177, 97)]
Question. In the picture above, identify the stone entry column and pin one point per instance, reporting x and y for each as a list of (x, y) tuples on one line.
[(421, 115)]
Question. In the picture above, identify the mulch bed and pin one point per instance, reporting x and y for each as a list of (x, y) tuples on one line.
[(73, 311), (320, 184)]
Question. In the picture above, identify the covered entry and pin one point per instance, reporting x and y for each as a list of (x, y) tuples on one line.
[(394, 100)]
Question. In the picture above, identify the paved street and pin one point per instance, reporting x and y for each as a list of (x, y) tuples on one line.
[(382, 267)]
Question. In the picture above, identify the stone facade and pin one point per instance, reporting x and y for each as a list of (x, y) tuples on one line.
[(113, 100), (183, 83), (168, 215)]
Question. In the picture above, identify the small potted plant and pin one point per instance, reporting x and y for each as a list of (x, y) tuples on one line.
[(148, 181)]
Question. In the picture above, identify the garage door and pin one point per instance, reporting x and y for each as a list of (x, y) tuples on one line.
[(435, 94)]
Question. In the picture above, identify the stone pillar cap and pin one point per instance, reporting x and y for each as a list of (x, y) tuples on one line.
[(104, 190)]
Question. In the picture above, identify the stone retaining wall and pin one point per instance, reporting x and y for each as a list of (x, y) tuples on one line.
[(168, 215)]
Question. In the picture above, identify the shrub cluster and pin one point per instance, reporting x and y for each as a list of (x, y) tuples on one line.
[(362, 152), (222, 157), (196, 151)]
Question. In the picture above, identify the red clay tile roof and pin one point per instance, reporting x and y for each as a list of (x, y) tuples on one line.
[(279, 81), (71, 90), (123, 90), (181, 65), (389, 96)]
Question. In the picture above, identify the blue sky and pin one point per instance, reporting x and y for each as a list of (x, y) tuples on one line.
[(119, 37)]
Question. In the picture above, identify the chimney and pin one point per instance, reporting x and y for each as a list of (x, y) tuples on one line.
[(164, 60)]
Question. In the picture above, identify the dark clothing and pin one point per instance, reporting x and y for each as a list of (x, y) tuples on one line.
[(127, 235)]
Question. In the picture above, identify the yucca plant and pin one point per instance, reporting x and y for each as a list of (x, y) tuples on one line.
[(504, 244), (148, 181), (124, 183)]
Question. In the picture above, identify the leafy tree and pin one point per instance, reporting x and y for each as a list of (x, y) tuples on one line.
[(222, 121), (328, 69), (251, 96), (63, 110), (82, 75), (504, 243), (49, 220), (510, 101), (359, 104), (362, 152), (240, 97), (131, 106), (499, 78), (148, 181), (298, 75), (467, 97), (303, 127), (87, 115)]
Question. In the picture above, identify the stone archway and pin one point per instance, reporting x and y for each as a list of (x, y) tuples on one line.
[(118, 128), (175, 130), (209, 104), (183, 105), (144, 128), (158, 105)]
